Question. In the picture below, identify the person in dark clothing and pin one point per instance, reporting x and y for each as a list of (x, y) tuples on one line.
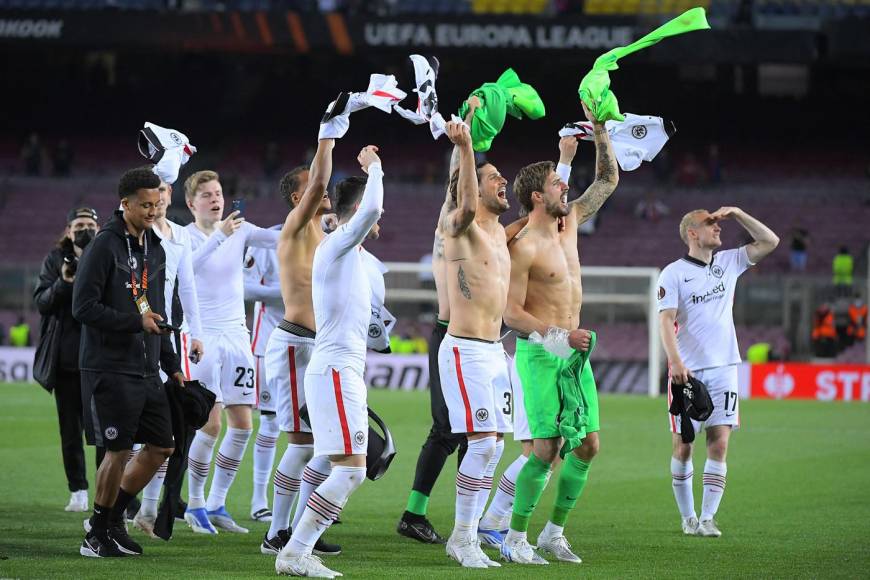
[(118, 296), (60, 337)]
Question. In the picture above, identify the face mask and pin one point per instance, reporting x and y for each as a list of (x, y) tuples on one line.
[(84, 237)]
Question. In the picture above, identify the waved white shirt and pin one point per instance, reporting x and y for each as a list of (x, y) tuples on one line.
[(263, 285), (341, 290), (703, 295), (382, 320), (179, 267), (218, 262)]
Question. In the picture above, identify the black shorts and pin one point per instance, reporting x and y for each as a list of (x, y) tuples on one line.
[(120, 410), (440, 415)]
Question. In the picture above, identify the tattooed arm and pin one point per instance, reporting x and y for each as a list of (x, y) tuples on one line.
[(606, 175)]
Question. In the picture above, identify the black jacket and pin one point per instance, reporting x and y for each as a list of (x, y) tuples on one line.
[(60, 332), (112, 336)]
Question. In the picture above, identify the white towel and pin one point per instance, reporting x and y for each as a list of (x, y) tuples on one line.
[(168, 149), (638, 138)]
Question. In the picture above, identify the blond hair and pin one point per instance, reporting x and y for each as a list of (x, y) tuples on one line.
[(197, 179), (687, 222)]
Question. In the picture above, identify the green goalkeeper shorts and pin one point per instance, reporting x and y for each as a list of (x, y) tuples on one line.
[(539, 373)]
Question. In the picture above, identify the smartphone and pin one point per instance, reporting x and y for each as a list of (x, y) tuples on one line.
[(162, 325), (239, 206)]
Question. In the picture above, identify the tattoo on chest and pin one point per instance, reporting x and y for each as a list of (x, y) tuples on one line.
[(463, 284)]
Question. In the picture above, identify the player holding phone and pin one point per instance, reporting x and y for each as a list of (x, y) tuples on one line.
[(227, 368)]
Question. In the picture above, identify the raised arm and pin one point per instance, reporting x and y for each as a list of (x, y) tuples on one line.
[(606, 174), (318, 180), (765, 240), (458, 219), (203, 252), (351, 234)]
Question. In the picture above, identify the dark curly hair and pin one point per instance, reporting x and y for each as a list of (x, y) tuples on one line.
[(136, 179)]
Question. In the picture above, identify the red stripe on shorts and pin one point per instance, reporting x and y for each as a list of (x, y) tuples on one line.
[(342, 418), (468, 422), (257, 327), (294, 389)]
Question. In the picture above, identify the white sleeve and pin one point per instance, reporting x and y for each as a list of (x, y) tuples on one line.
[(255, 289), (353, 233), (669, 290), (187, 292), (204, 251), (742, 259), (564, 172), (261, 237)]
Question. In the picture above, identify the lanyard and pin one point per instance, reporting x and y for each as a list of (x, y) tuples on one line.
[(130, 262)]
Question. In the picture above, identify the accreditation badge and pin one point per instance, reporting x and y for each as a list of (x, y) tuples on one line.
[(142, 304)]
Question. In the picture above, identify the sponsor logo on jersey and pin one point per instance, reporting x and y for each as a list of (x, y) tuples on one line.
[(715, 293)]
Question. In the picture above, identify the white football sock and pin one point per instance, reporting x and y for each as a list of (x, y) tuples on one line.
[(486, 485), (288, 479), (551, 530), (469, 480), (498, 514), (323, 507), (229, 458), (315, 473), (198, 465), (681, 474), (264, 458), (151, 492), (714, 488), (133, 453)]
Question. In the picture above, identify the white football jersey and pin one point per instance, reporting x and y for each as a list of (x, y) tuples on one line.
[(340, 286), (638, 138), (179, 268), (218, 262), (703, 295), (263, 286)]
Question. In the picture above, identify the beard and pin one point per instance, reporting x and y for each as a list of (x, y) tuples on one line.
[(556, 209), (495, 204)]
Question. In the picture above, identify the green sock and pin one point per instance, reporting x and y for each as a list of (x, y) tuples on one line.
[(530, 484), (418, 503), (572, 479)]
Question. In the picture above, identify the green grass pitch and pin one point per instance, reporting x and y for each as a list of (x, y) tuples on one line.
[(796, 505)]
